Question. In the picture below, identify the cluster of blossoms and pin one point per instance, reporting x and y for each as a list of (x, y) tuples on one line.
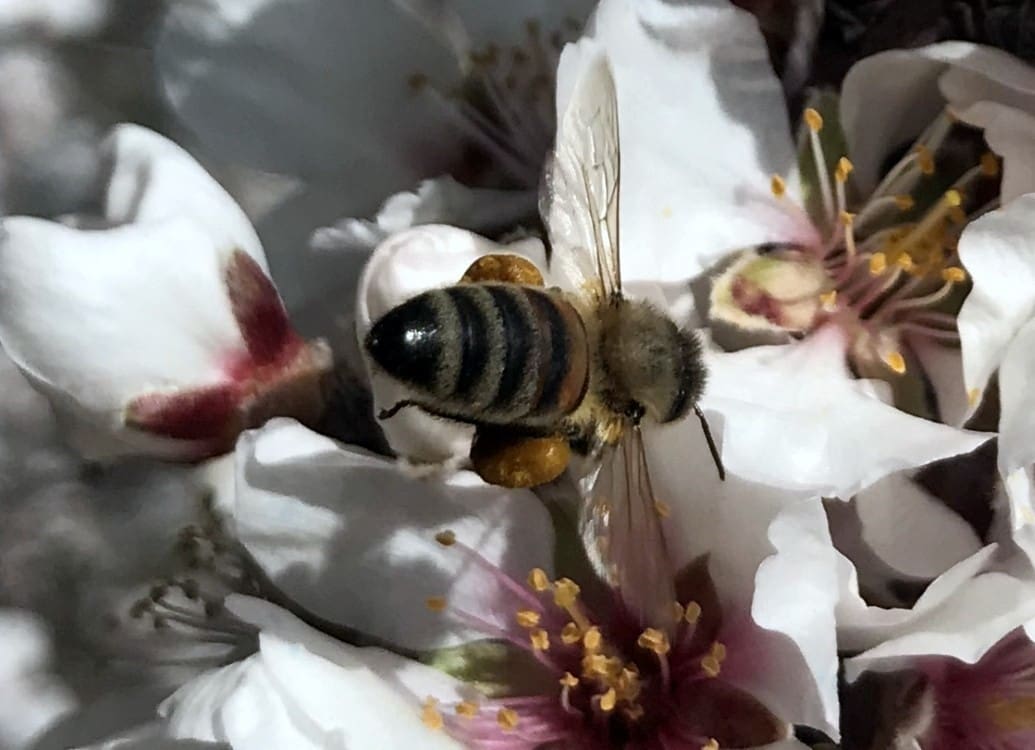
[(865, 293)]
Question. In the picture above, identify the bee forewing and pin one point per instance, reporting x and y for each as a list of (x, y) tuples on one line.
[(579, 197), (622, 524)]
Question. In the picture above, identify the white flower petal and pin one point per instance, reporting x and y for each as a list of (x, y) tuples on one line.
[(302, 690), (1009, 132), (794, 417), (943, 367), (911, 531), (403, 266), (914, 86), (702, 128), (350, 537), (154, 180), (997, 252), (1017, 402), (95, 318), (30, 698), (300, 76), (54, 17), (760, 541)]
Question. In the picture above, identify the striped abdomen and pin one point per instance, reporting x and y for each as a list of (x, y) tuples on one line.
[(491, 353)]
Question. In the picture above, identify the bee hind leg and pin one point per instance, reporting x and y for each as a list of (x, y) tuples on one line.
[(504, 458), (503, 267)]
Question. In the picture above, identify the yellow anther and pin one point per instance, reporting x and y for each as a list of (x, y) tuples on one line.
[(569, 680), (814, 120), (435, 603), (592, 639), (828, 300), (719, 652), (896, 362), (878, 263), (925, 160), (677, 611), (431, 716), (596, 665), (467, 709), (565, 592), (712, 744), (570, 634), (693, 613), (844, 168), (609, 700), (654, 640), (662, 508), (446, 538), (507, 718), (527, 618), (954, 274), (989, 164), (973, 396), (904, 202), (905, 262), (711, 666), (538, 580), (953, 197), (847, 218), (540, 639), (778, 186)]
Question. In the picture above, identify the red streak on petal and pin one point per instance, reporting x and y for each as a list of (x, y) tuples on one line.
[(754, 301), (259, 313), (203, 413)]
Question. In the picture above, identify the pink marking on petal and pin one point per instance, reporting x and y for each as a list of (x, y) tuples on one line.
[(202, 413), (259, 312)]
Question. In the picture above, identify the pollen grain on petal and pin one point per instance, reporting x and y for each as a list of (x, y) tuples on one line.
[(507, 718), (467, 709), (446, 538), (431, 716), (778, 186)]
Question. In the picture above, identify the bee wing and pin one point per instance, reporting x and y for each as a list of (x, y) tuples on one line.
[(622, 524), (579, 197)]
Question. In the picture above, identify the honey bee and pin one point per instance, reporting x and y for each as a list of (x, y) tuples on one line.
[(538, 369)]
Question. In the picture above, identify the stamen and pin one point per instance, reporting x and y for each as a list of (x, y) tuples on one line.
[(954, 275), (538, 580), (431, 716), (778, 186), (565, 592), (712, 663), (507, 718), (568, 683), (539, 639), (608, 701), (895, 362), (527, 618), (592, 639), (878, 264), (925, 160), (693, 613), (677, 611), (712, 744), (814, 120), (467, 709), (570, 634), (904, 202)]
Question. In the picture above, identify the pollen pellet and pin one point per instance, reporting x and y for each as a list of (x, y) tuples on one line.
[(519, 462), (503, 267)]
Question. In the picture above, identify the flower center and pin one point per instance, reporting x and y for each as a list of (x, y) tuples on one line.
[(616, 682), (891, 261), (504, 103)]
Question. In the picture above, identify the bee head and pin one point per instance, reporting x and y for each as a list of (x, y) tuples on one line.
[(654, 364)]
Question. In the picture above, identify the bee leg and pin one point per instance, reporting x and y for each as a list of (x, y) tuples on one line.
[(503, 267), (395, 409), (511, 460)]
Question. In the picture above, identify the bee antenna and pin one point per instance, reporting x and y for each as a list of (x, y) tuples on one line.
[(711, 442)]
